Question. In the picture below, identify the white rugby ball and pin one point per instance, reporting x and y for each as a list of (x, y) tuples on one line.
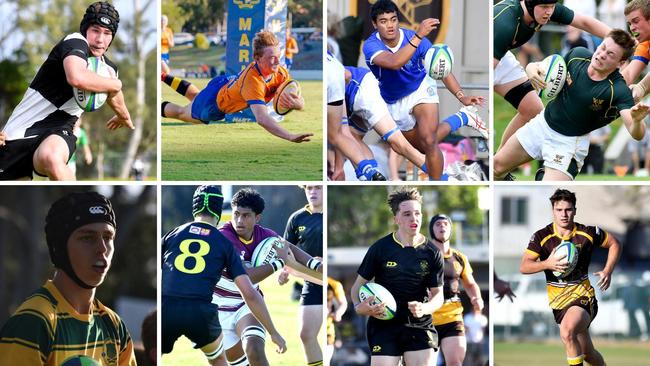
[(90, 101), (381, 296), (556, 71), (568, 250), (265, 251), (289, 86), (438, 61)]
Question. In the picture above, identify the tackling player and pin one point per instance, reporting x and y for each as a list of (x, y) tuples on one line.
[(410, 267), (243, 335), (394, 55), (194, 256), (63, 318), (253, 87), (448, 319), (571, 298), (39, 136), (515, 23), (338, 131), (593, 95), (305, 229)]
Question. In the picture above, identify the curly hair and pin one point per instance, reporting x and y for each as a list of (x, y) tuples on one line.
[(403, 194), (248, 198), (262, 40)]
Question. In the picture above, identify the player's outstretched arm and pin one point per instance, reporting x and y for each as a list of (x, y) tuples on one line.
[(590, 25), (394, 61), (613, 253), (255, 302), (122, 116), (473, 291), (632, 71), (451, 83), (640, 89), (263, 119), (633, 119), (530, 264), (78, 76)]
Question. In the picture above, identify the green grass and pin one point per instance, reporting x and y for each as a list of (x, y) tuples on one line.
[(284, 313), (187, 57), (243, 151), (545, 354)]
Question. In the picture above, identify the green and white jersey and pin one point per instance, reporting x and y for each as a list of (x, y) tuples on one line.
[(510, 30), (46, 330), (583, 104)]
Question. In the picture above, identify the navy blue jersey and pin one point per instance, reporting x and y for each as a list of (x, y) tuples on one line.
[(194, 255), (396, 84), (352, 87), (305, 230)]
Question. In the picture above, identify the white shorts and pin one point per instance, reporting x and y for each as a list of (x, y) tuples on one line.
[(508, 69), (402, 110), (564, 153), (228, 321), (368, 103), (335, 80)]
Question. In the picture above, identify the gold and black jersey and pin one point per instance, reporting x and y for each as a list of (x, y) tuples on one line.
[(46, 330), (562, 292), (456, 269), (334, 291)]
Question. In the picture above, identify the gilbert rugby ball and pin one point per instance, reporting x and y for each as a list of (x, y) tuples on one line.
[(438, 61), (556, 71), (80, 360), (289, 86), (381, 296), (90, 101), (265, 251), (568, 250)]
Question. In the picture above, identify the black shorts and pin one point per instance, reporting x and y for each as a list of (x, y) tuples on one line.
[(312, 294), (17, 156), (195, 319), (391, 338), (453, 329), (589, 304)]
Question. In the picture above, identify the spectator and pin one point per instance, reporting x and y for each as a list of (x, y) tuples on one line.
[(595, 160)]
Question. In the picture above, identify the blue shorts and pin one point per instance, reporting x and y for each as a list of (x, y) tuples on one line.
[(288, 62), (165, 58), (204, 106)]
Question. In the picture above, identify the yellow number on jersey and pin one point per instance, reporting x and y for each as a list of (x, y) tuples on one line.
[(179, 262)]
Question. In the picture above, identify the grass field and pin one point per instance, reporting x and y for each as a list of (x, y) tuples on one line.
[(545, 354), (284, 313), (503, 113), (243, 151)]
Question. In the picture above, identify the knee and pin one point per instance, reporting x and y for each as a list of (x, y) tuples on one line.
[(51, 162), (429, 142), (530, 107), (499, 169), (255, 353), (307, 335), (568, 334)]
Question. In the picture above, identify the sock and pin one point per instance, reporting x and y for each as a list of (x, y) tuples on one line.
[(575, 361), (424, 168), (162, 108), (366, 168), (444, 177), (178, 84), (457, 120), (315, 363)]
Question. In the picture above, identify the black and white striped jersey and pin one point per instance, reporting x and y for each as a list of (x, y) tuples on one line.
[(49, 101)]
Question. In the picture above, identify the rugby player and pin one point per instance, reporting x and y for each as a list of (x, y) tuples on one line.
[(593, 95), (448, 319), (337, 304), (63, 318), (290, 49), (243, 334), (572, 298), (39, 136), (305, 229), (187, 307), (338, 131), (394, 55), (515, 22), (252, 88), (166, 42), (637, 14), (410, 267)]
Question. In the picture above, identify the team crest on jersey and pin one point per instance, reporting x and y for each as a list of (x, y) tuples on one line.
[(110, 354), (246, 4), (302, 228), (376, 349), (558, 159), (597, 104), (199, 231), (391, 264)]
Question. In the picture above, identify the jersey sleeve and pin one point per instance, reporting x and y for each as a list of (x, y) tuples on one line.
[(534, 246), (436, 278), (252, 89), (600, 236), (233, 262), (74, 44), (371, 48), (504, 30), (368, 266), (127, 353), (562, 15), (26, 339), (290, 232), (642, 52), (623, 94), (467, 268)]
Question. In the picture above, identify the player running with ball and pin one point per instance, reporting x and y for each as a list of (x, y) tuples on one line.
[(572, 298)]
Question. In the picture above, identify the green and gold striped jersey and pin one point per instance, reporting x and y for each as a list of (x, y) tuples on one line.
[(46, 330)]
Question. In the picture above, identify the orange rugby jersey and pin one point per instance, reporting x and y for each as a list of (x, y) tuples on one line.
[(249, 87)]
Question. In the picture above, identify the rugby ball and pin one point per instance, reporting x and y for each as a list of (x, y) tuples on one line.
[(265, 251), (568, 250), (381, 296), (80, 360), (556, 71), (438, 61), (288, 87), (90, 101)]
